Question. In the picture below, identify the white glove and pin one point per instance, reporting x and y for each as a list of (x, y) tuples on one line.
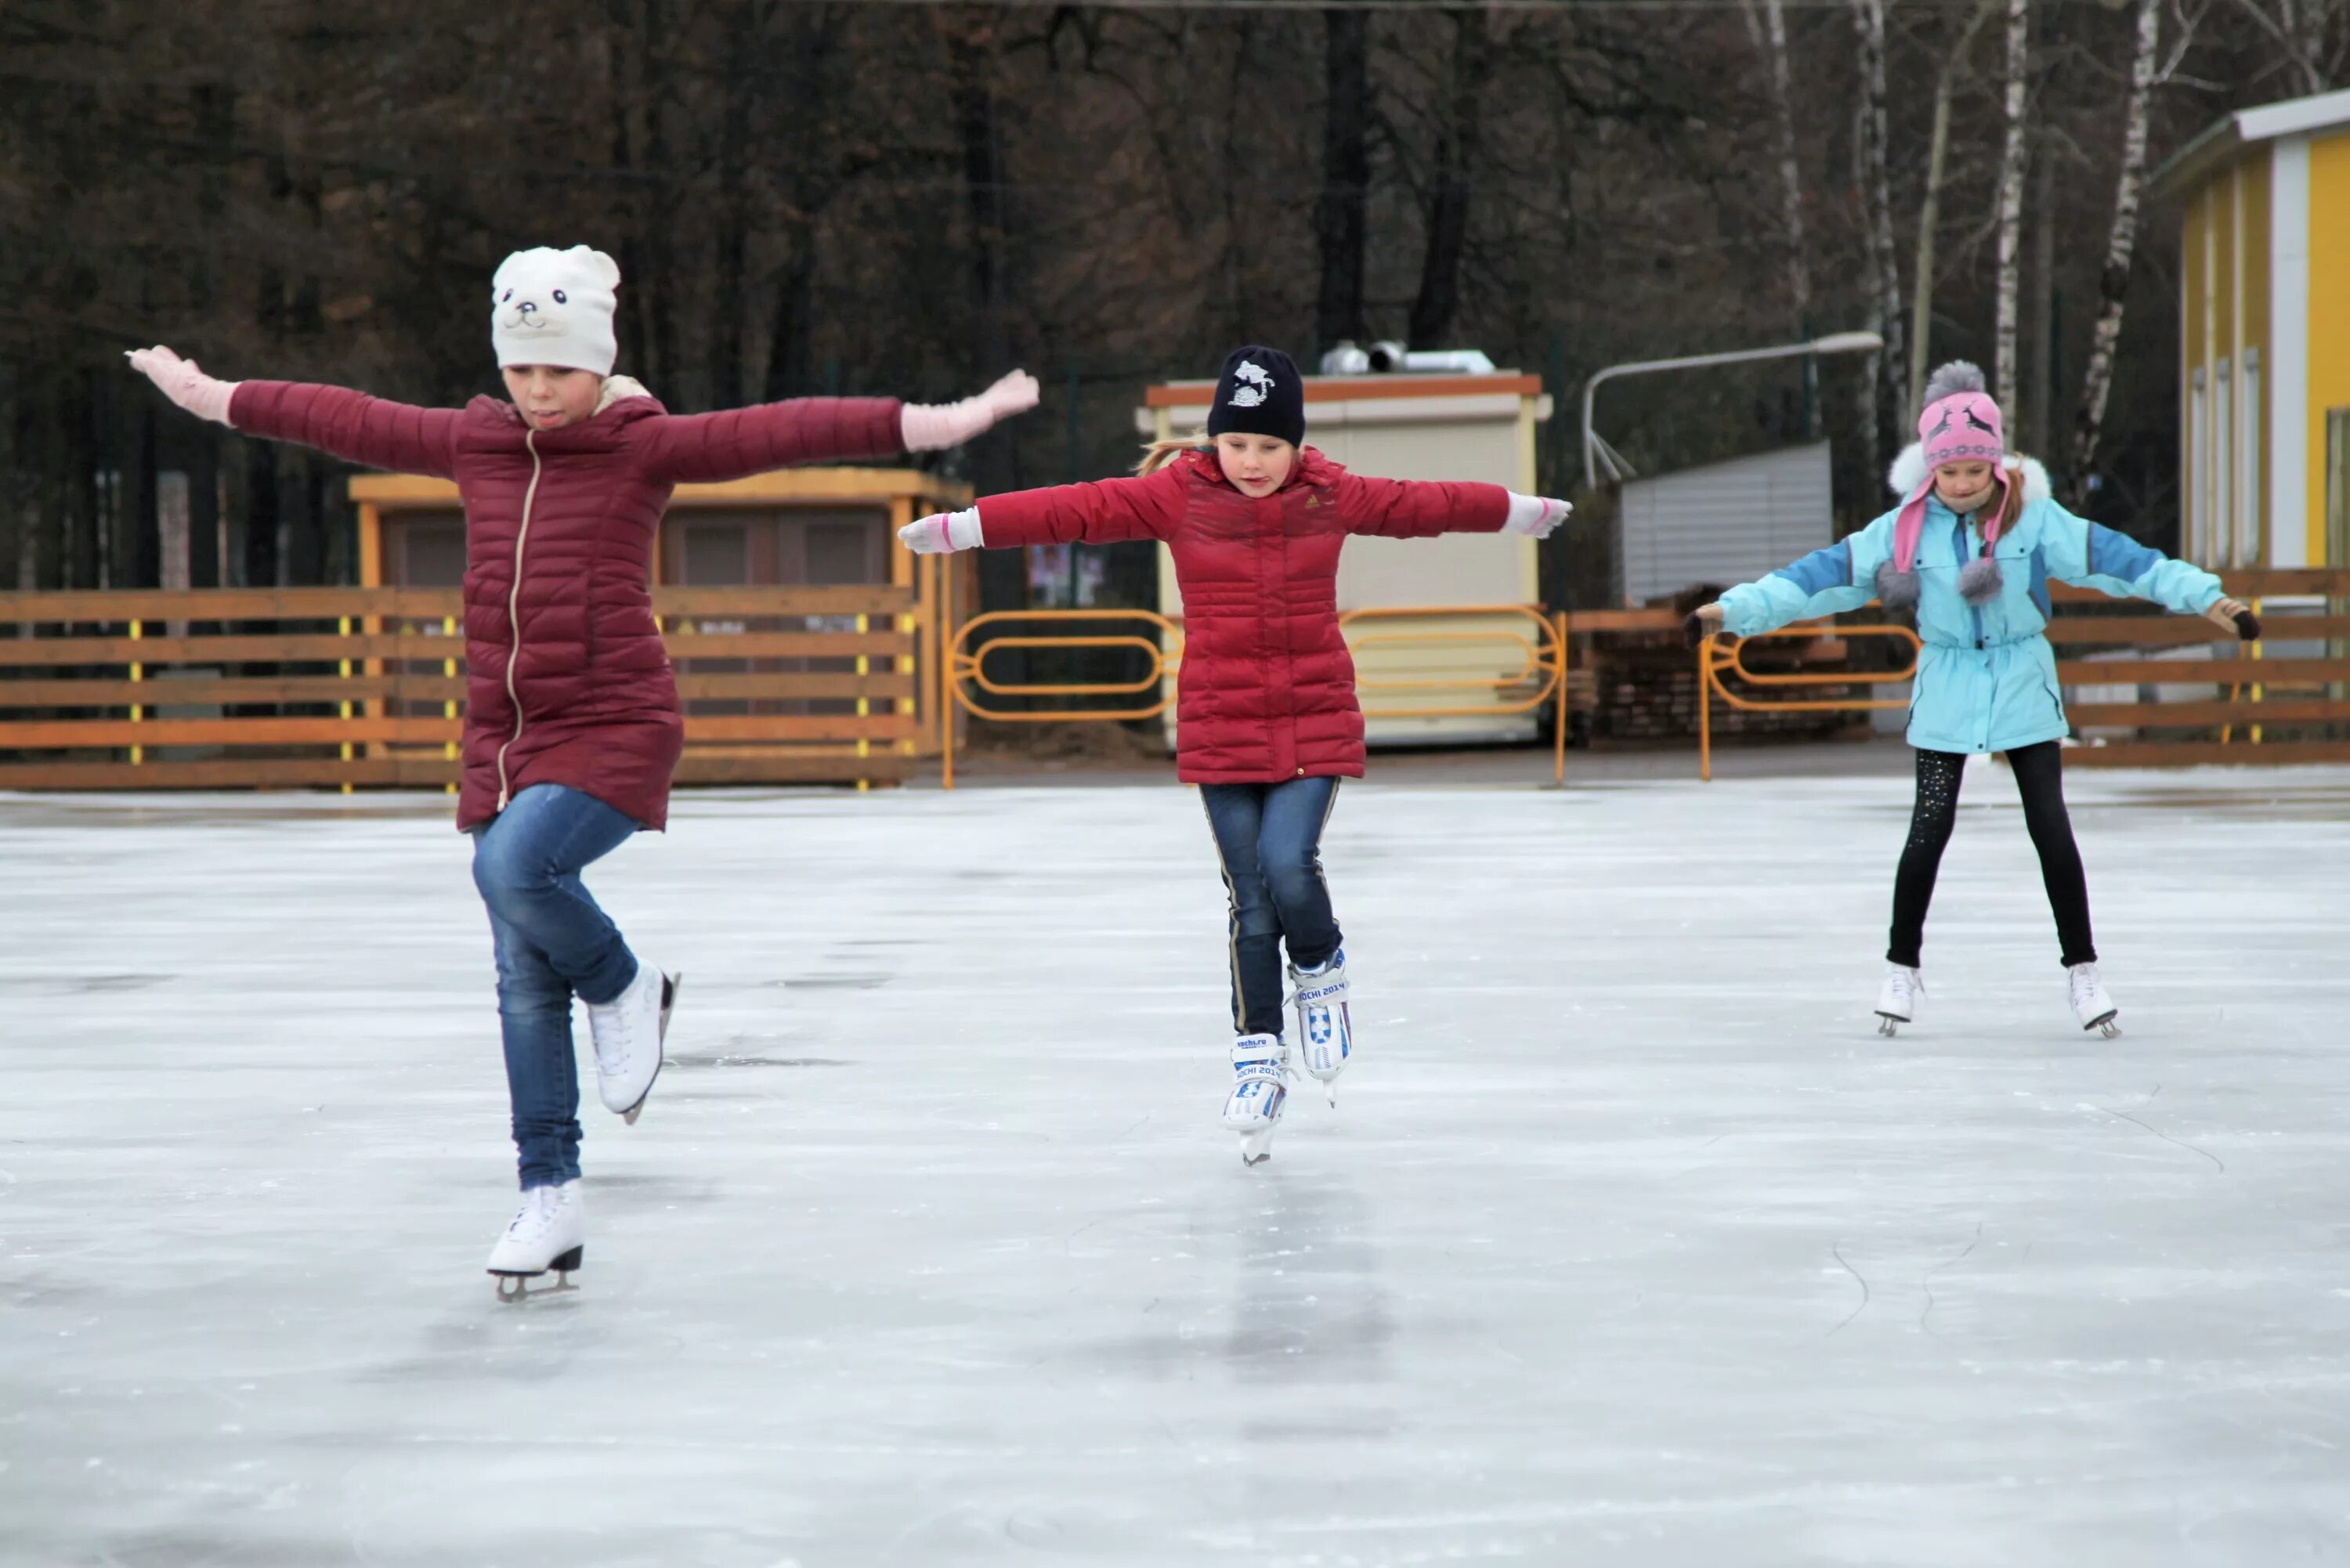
[(185, 385), (1535, 515), (934, 427), (941, 532)]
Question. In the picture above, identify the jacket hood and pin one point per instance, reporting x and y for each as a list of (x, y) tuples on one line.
[(1908, 472)]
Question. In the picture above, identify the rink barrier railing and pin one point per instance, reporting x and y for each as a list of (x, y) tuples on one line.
[(2302, 609), (1529, 647), (228, 689)]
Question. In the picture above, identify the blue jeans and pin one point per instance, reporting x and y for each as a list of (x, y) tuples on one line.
[(1269, 837), (553, 943)]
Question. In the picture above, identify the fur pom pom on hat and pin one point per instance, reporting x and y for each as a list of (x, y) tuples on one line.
[(555, 307)]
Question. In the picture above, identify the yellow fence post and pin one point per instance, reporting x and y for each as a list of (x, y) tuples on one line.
[(864, 703), (448, 704), (1558, 760), (343, 627), (138, 711)]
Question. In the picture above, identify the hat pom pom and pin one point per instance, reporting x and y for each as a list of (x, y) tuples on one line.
[(1897, 590), (1979, 580), (1958, 376)]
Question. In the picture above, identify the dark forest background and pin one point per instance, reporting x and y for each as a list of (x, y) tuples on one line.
[(910, 198)]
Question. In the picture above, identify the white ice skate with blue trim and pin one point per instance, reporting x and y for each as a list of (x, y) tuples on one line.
[(1259, 1089), (1326, 1033)]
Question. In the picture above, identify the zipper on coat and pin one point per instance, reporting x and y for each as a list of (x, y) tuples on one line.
[(513, 618)]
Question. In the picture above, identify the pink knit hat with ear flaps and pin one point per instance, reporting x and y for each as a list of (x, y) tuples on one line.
[(1960, 422)]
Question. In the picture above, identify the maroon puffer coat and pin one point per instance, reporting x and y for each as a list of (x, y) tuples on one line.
[(567, 680), (1266, 691)]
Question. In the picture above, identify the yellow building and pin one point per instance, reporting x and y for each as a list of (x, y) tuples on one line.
[(2264, 335)]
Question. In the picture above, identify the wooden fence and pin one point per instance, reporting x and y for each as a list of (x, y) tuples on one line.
[(2137, 689), (323, 686)]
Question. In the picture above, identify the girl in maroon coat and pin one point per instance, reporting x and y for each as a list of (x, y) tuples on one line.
[(572, 724), (1266, 720)]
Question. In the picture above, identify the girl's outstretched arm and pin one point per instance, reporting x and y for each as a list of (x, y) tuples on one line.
[(1420, 509), (351, 425), (708, 448), (1842, 577), (1103, 511), (2096, 556)]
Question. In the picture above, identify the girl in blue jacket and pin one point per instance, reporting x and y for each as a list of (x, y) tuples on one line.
[(1972, 549)]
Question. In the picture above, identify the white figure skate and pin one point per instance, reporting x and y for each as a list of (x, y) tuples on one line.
[(550, 1232), (628, 1031), (1326, 1033), (2091, 1005), (1897, 998), (1260, 1068)]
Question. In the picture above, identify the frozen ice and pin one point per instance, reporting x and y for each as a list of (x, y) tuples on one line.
[(1629, 1241)]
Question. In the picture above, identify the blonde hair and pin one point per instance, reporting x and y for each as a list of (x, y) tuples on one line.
[(1160, 453)]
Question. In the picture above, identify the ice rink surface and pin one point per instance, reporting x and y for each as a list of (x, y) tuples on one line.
[(1629, 1241)]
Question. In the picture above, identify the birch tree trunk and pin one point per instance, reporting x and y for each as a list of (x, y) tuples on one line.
[(1774, 43), (2121, 243), (2011, 202), (1884, 408), (1929, 213)]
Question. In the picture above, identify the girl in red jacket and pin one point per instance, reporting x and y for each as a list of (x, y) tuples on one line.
[(572, 725), (1266, 720)]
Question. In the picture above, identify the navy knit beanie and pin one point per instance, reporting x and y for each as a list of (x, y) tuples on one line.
[(1260, 393)]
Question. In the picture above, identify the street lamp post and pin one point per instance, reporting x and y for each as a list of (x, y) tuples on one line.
[(1595, 449)]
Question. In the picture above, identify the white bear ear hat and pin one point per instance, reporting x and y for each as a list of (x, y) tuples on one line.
[(555, 307)]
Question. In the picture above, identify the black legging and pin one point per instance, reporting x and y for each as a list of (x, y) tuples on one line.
[(2040, 779)]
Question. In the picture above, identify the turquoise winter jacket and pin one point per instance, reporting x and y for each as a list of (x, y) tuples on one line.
[(1986, 676)]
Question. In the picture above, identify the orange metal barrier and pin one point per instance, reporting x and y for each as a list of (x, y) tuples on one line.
[(1539, 643), (1714, 656), (962, 662)]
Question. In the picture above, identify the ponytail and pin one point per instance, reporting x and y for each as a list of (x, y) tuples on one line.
[(1160, 453)]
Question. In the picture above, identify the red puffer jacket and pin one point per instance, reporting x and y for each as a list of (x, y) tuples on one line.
[(567, 680), (1266, 691)]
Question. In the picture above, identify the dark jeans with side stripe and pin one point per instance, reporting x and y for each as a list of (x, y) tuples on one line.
[(1269, 837)]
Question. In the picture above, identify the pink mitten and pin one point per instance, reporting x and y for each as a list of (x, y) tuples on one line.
[(941, 532), (1534, 515), (184, 383), (933, 427)]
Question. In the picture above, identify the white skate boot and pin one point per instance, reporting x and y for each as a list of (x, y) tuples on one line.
[(550, 1232), (1326, 1034), (628, 1031), (1897, 998), (2091, 1005), (1260, 1065)]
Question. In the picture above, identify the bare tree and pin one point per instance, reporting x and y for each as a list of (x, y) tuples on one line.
[(2305, 32), (1770, 38), (2011, 201), (1929, 211), (1457, 150), (1339, 222), (2121, 244), (1883, 404)]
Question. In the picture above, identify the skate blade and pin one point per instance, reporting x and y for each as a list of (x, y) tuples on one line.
[(513, 1284), (1256, 1147), (2106, 1025), (1889, 1025)]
